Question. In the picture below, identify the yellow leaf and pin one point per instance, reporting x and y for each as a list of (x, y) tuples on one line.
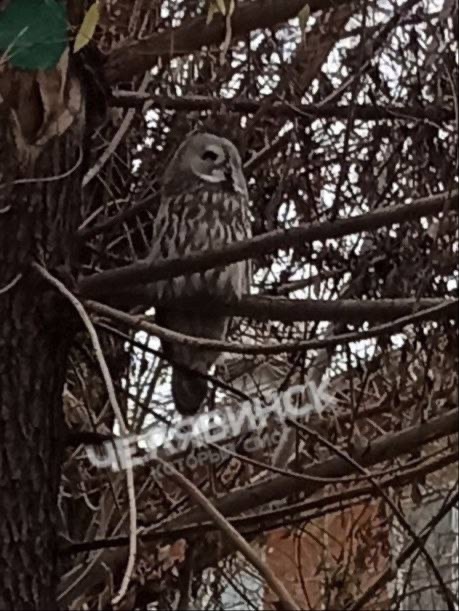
[(221, 6), (210, 13), (303, 16), (218, 6), (88, 27)]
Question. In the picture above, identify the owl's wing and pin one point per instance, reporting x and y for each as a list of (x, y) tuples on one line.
[(248, 268)]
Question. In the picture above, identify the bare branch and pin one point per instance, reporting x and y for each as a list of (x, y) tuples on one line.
[(406, 552), (145, 272), (273, 518), (128, 99), (397, 512), (386, 447), (137, 57), (264, 308), (232, 534), (140, 323)]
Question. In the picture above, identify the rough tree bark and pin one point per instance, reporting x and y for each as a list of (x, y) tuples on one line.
[(41, 135)]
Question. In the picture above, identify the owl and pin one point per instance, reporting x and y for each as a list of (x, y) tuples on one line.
[(204, 206)]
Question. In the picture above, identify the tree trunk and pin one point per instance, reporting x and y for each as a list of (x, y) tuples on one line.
[(39, 214)]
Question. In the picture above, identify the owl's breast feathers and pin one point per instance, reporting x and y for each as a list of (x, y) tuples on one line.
[(196, 221)]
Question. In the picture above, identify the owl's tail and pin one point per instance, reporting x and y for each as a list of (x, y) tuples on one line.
[(188, 390), (189, 363)]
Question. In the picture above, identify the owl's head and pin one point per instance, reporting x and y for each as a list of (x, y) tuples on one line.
[(209, 159)]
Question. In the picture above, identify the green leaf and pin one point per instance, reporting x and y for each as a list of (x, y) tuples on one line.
[(88, 27), (33, 33)]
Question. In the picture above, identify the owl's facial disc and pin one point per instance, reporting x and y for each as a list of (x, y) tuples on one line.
[(213, 154), (210, 164)]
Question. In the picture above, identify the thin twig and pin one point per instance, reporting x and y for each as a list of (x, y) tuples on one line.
[(407, 551), (417, 541), (46, 179), (232, 534), (117, 138), (10, 285), (118, 414), (365, 112), (273, 518)]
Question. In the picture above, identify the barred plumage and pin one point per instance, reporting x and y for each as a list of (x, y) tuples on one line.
[(204, 205)]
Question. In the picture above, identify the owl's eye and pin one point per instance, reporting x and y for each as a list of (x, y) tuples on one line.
[(210, 155)]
